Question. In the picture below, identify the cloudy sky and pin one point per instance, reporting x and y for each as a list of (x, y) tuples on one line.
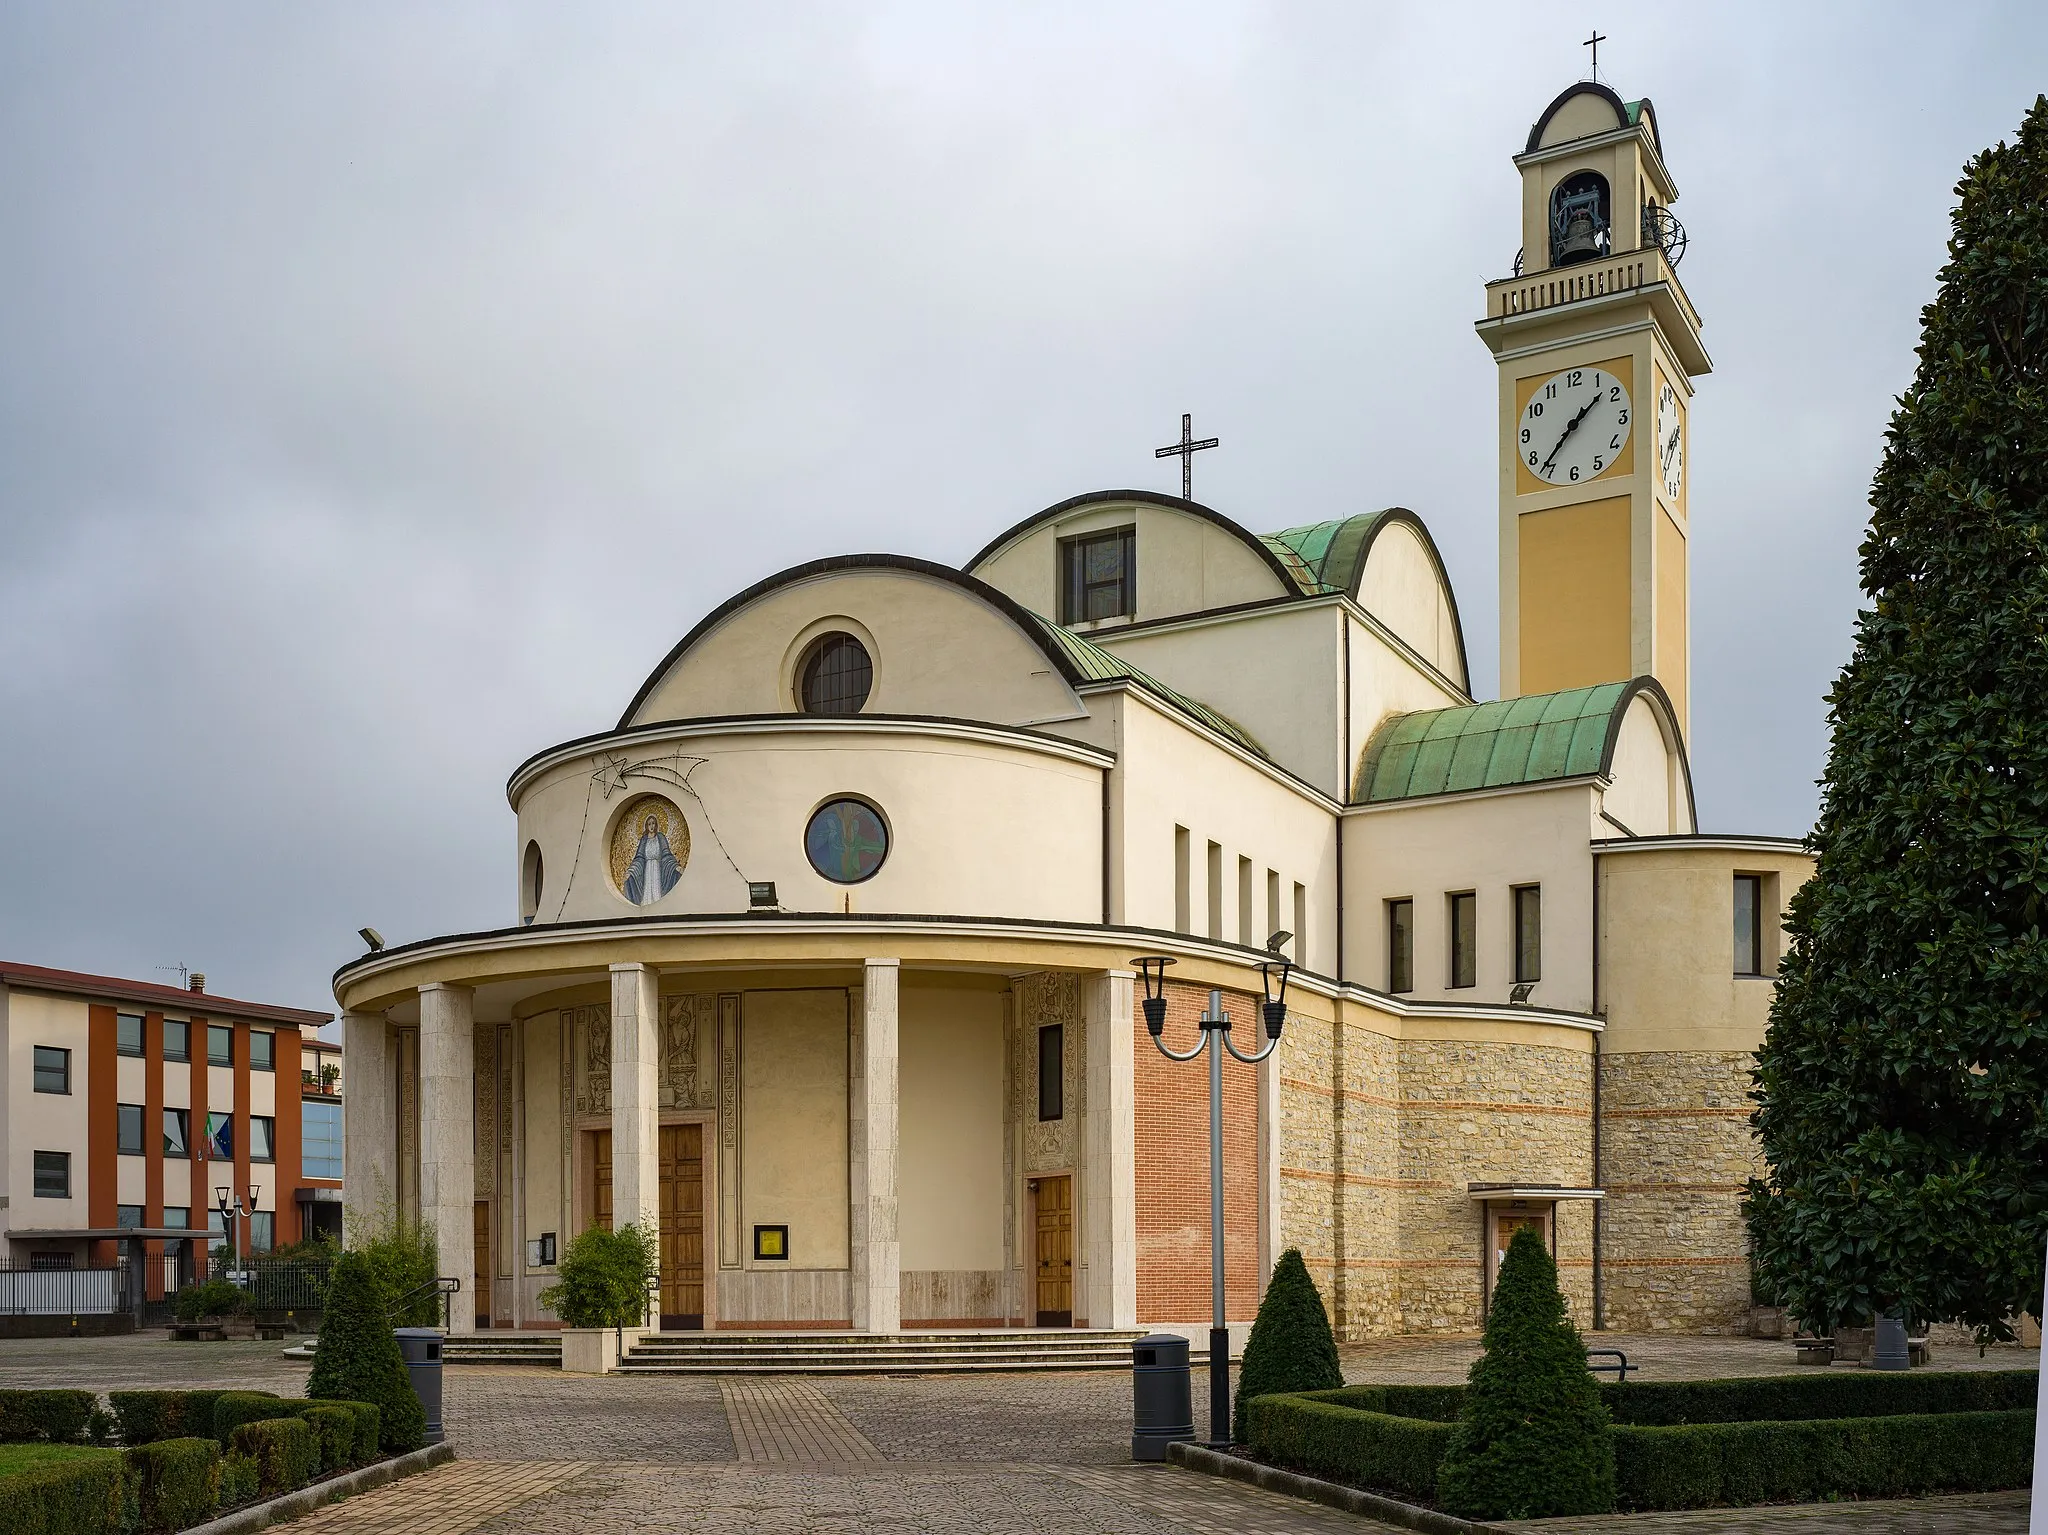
[(384, 389)]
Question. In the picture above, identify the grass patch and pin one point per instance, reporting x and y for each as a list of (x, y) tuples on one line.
[(17, 1458)]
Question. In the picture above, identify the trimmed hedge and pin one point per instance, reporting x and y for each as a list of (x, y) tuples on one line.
[(234, 1408), (1432, 1404), (239, 1479), (58, 1416), (1710, 1465), (145, 1417), (368, 1425), (174, 1483), (1291, 1347), (80, 1497), (358, 1360), (286, 1452), (1820, 1394), (334, 1432), (1318, 1435)]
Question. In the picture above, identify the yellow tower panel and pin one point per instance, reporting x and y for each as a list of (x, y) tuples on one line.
[(1577, 558), (1673, 668)]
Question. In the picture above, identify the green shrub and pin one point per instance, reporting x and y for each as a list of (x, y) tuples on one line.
[(234, 1408), (1316, 1435), (1432, 1404), (58, 1416), (1714, 1465), (357, 1359), (1819, 1394), (1291, 1347), (79, 1497), (364, 1415), (216, 1297), (603, 1278), (402, 1256), (1533, 1438), (240, 1479), (174, 1483), (144, 1417), (286, 1452), (335, 1429)]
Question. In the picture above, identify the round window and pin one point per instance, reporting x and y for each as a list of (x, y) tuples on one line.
[(846, 841), (530, 883), (835, 675)]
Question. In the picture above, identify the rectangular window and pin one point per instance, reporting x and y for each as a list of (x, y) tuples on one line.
[(1215, 890), (220, 1137), (128, 1033), (262, 1231), (1301, 926), (128, 1217), (1248, 932), (1749, 924), (1052, 1072), (262, 1138), (1400, 946), (1528, 932), (177, 1132), (53, 1175), (1464, 927), (262, 1051), (177, 1040), (53, 1069), (1183, 877), (1275, 917), (320, 1150), (1099, 576), (177, 1217), (128, 1129), (220, 1045)]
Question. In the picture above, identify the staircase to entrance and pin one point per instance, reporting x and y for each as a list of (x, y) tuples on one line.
[(923, 1352)]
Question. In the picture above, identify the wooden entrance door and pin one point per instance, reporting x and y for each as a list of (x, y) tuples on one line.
[(1055, 1248), (480, 1246), (601, 1178), (1505, 1225), (682, 1227)]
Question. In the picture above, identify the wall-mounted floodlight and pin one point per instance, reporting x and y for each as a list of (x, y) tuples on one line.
[(372, 937), (1520, 991), (1278, 941)]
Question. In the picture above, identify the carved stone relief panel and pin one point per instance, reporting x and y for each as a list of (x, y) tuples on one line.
[(729, 1251), (689, 1026), (591, 1029), (484, 1041), (1048, 998)]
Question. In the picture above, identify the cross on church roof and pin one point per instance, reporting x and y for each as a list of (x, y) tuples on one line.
[(1185, 450), (1594, 43)]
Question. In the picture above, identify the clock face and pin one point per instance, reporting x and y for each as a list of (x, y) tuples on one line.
[(1574, 426), (1670, 443)]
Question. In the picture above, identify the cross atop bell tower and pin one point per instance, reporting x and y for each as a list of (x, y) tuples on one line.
[(1598, 346)]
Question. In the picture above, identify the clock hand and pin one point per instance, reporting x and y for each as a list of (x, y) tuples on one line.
[(1569, 427), (1670, 447)]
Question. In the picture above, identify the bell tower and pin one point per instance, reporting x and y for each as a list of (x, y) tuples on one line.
[(1598, 346)]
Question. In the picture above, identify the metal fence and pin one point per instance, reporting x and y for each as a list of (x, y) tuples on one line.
[(64, 1292), (288, 1284)]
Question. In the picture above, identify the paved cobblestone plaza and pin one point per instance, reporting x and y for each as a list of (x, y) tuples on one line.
[(542, 1453)]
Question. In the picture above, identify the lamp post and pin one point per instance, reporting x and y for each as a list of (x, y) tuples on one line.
[(1215, 1025), (232, 1210)]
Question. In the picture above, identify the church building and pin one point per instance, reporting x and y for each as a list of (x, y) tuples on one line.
[(825, 959)]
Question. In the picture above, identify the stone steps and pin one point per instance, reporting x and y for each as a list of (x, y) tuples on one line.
[(503, 1348), (924, 1353)]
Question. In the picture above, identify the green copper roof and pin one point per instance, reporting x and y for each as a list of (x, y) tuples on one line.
[(1098, 665), (1324, 556), (1485, 746)]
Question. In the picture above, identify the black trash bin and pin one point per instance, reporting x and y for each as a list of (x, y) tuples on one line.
[(421, 1347), (1162, 1406)]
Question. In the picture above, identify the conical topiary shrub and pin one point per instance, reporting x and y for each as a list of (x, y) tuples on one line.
[(357, 1357), (1533, 1438), (1290, 1348)]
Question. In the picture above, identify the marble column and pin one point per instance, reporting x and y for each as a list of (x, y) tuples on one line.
[(448, 1139), (369, 1123), (877, 1256), (1109, 1188), (636, 1100)]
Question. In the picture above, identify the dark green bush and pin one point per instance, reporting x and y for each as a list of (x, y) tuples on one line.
[(1819, 1394), (174, 1483), (1714, 1465), (58, 1416), (144, 1417), (1291, 1347), (79, 1497), (240, 1479), (604, 1277), (402, 1257), (216, 1297), (234, 1408), (335, 1428), (1432, 1404), (1316, 1435), (1533, 1438), (365, 1416), (357, 1358), (286, 1452)]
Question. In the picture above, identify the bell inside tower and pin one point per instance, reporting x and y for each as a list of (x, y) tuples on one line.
[(1580, 219)]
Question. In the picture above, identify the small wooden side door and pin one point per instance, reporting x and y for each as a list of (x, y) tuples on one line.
[(682, 1227), (1055, 1250), (601, 1178), (480, 1245)]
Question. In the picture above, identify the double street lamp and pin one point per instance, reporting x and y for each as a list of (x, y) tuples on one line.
[(1215, 1026), (232, 1211)]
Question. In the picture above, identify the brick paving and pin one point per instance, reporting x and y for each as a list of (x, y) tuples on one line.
[(452, 1498), (780, 1419)]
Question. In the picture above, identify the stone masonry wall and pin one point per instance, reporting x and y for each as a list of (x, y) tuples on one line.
[(1675, 1151)]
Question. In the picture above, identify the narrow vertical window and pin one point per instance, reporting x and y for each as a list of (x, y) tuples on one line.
[(1400, 945), (128, 1129), (1464, 928), (262, 1050), (220, 1045), (1247, 914), (1301, 926), (1749, 924), (128, 1033), (1528, 932), (1183, 877), (1052, 1072), (1275, 917), (1215, 890), (1099, 576), (177, 1040)]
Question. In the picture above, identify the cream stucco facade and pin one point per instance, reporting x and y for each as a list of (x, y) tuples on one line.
[(822, 960)]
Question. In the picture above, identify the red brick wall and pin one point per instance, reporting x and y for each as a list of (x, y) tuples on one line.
[(1172, 1102)]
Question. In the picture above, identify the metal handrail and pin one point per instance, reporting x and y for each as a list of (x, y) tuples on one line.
[(1620, 1367), (443, 1286)]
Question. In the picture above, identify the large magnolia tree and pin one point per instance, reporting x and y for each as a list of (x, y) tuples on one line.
[(1901, 1084)]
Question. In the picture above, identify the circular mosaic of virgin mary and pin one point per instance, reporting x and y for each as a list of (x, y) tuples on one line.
[(846, 841), (650, 849)]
